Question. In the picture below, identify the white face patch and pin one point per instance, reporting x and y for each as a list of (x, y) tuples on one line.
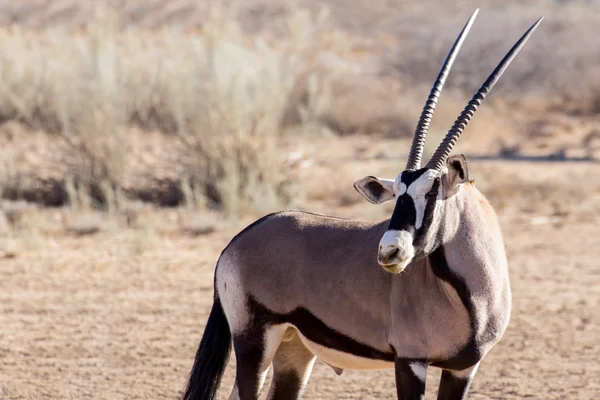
[(401, 240), (399, 186), (417, 191)]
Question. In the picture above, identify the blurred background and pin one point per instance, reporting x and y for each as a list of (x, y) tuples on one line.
[(138, 136)]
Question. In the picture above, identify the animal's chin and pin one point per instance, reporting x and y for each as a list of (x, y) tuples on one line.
[(395, 268)]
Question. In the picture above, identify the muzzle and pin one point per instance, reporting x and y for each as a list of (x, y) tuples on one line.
[(396, 250)]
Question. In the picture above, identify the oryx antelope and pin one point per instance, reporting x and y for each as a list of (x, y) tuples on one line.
[(295, 286)]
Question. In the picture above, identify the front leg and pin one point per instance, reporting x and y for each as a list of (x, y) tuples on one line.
[(410, 379), (454, 385)]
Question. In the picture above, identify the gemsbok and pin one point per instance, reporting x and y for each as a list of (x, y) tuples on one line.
[(295, 286)]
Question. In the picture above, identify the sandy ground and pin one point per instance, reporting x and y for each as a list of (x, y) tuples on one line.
[(119, 314)]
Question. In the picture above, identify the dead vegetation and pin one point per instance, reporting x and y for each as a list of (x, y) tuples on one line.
[(187, 105), (217, 97), (110, 116)]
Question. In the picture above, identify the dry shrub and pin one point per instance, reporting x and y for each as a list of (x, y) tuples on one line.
[(545, 189), (220, 94), (84, 224), (556, 63), (14, 212), (365, 104)]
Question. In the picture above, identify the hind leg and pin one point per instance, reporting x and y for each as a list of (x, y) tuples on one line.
[(249, 377), (292, 365), (254, 354)]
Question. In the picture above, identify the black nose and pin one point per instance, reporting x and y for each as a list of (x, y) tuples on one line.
[(393, 253)]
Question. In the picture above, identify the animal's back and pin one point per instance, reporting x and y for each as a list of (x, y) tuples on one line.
[(293, 260)]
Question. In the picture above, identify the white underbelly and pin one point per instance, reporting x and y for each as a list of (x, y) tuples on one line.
[(344, 360)]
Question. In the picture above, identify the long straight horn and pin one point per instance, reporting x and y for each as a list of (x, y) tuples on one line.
[(445, 147), (418, 143)]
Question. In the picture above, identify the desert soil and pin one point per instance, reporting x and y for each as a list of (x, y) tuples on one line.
[(119, 314)]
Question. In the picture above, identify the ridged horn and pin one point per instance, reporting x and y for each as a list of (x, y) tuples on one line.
[(445, 147), (418, 143)]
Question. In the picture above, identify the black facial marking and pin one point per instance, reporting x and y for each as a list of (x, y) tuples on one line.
[(470, 354), (421, 235), (316, 331), (404, 216), (409, 177), (434, 191)]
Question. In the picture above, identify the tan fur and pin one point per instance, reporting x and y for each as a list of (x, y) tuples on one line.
[(329, 266)]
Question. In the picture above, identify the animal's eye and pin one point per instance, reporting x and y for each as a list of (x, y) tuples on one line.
[(432, 193)]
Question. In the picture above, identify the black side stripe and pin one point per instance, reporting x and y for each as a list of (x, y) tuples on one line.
[(470, 354), (316, 331), (442, 270)]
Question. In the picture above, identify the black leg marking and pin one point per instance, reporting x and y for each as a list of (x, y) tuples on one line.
[(453, 387), (287, 386), (248, 355), (410, 379)]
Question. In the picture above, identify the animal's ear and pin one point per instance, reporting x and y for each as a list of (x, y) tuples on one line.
[(457, 170), (375, 190)]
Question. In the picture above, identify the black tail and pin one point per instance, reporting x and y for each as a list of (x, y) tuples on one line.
[(211, 357)]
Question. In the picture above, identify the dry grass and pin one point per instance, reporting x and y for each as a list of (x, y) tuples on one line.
[(218, 94), (169, 104), (189, 106)]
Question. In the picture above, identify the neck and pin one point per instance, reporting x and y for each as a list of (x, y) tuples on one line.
[(471, 257)]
